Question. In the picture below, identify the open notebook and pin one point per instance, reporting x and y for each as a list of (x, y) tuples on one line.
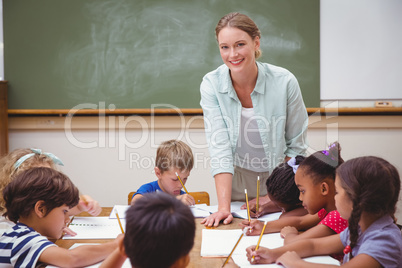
[(95, 228), (219, 243), (198, 210), (202, 211)]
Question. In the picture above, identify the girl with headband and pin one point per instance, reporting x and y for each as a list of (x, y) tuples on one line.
[(315, 178), (23, 159)]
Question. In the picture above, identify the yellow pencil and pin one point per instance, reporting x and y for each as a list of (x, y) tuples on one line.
[(182, 184), (70, 221), (230, 255), (258, 194), (259, 240), (248, 207), (68, 224), (121, 226)]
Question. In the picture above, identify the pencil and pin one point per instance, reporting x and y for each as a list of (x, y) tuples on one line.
[(121, 227), (248, 207), (258, 194), (259, 240), (182, 184), (72, 218), (68, 224), (230, 255)]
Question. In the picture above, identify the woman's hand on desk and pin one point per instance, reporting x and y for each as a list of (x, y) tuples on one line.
[(255, 227), (215, 218)]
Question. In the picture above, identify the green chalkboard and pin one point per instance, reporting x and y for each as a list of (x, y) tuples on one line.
[(137, 53)]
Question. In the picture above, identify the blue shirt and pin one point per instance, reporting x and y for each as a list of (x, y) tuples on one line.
[(150, 188), (382, 241), (21, 246), (278, 106)]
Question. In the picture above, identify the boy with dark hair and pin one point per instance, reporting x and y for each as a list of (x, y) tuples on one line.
[(38, 201), (160, 233)]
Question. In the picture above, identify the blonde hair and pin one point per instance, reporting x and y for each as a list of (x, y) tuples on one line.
[(242, 22), (8, 171), (174, 154)]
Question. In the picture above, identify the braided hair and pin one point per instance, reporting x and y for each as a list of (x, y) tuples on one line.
[(373, 185), (281, 184)]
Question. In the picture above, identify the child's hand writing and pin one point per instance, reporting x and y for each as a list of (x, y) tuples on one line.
[(255, 227), (89, 205), (261, 255), (252, 203), (231, 264), (186, 199)]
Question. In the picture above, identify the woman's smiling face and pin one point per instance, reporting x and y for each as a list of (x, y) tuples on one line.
[(237, 48)]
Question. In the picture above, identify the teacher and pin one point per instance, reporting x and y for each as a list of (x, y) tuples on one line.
[(254, 116)]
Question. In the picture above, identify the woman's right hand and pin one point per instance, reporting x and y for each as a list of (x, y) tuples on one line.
[(215, 218)]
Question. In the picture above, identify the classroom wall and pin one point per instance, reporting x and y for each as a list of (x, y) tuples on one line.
[(108, 162), (107, 157)]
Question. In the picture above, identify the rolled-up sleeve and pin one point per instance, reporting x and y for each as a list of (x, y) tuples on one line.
[(296, 120), (216, 129)]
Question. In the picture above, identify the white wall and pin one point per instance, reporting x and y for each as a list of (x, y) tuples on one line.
[(361, 56)]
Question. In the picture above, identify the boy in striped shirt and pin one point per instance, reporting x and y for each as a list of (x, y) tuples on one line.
[(38, 200)]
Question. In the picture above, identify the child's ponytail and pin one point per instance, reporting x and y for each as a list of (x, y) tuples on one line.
[(373, 186), (322, 164)]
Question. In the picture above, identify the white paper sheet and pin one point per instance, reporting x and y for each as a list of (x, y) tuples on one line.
[(95, 228), (219, 243)]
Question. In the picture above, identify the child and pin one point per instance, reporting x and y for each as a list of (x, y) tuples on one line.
[(282, 190), (160, 233), (38, 201), (315, 178), (367, 190), (172, 157), (22, 159)]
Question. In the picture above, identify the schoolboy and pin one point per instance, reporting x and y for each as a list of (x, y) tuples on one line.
[(160, 233), (172, 157), (38, 201)]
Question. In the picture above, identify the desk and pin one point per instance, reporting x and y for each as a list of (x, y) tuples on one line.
[(196, 261)]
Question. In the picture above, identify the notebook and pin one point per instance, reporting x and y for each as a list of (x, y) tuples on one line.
[(198, 210), (95, 228)]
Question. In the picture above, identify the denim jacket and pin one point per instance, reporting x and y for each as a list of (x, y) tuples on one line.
[(278, 106)]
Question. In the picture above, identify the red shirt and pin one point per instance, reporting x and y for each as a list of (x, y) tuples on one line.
[(333, 220)]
